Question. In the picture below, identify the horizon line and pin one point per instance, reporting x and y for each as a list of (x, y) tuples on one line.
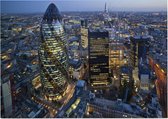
[(81, 11)]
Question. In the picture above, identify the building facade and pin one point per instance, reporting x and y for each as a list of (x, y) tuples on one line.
[(99, 59), (139, 48), (126, 83), (8, 67), (161, 84), (53, 55), (84, 38)]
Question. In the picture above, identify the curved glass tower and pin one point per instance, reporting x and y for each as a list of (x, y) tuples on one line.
[(52, 55)]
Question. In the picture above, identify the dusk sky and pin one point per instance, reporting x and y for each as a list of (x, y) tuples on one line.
[(34, 6)]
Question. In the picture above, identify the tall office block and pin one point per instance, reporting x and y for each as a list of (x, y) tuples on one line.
[(126, 83), (8, 67), (139, 49), (84, 34), (99, 59), (6, 97), (84, 37), (53, 55)]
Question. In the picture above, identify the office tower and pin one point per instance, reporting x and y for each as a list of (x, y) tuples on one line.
[(118, 54), (84, 38), (126, 82), (6, 97), (84, 23), (8, 67), (99, 59), (105, 8), (52, 55), (84, 34), (144, 75), (139, 48)]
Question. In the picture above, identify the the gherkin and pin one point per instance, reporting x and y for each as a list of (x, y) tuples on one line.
[(53, 55)]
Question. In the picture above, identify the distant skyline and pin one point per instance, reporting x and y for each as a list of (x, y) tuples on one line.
[(38, 6)]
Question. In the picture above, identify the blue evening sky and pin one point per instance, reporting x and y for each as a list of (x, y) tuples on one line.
[(34, 6)]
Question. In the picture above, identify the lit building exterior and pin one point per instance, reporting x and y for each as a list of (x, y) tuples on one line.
[(161, 84), (73, 48), (99, 59), (139, 49), (118, 54), (106, 112), (52, 55), (6, 97), (126, 82), (84, 37), (103, 108), (8, 67), (76, 69), (144, 76)]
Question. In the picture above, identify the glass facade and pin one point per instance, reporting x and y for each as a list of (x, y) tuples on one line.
[(84, 37), (52, 55), (117, 54), (99, 59), (139, 48)]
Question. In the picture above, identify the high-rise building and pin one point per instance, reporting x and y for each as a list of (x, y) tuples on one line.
[(139, 48), (6, 98), (105, 8), (144, 75), (126, 82), (84, 37), (8, 67), (84, 34), (99, 59), (53, 55), (118, 54)]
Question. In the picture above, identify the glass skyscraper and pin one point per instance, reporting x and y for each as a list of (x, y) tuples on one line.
[(139, 48), (99, 59), (52, 55)]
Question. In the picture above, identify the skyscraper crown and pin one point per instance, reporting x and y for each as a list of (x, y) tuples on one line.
[(52, 13)]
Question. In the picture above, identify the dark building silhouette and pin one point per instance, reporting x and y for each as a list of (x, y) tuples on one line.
[(139, 48), (126, 83), (98, 59)]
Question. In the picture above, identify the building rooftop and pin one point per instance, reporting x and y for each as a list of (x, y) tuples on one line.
[(73, 39), (75, 63), (140, 38), (52, 13), (80, 83), (126, 69), (77, 104), (117, 106), (97, 30)]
